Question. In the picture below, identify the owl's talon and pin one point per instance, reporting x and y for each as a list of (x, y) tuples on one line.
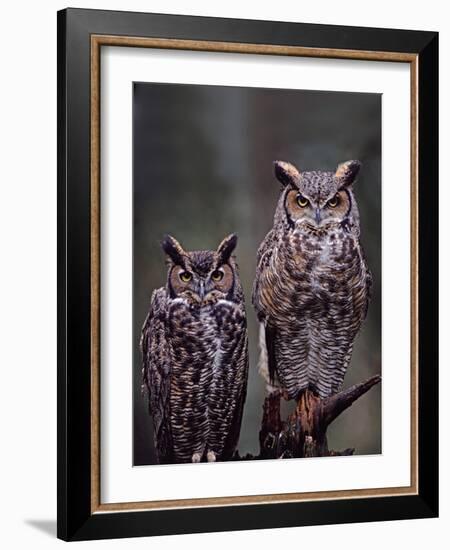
[(211, 456), (270, 441), (196, 458)]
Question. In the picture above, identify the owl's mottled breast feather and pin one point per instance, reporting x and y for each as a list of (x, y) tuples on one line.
[(312, 293), (196, 362)]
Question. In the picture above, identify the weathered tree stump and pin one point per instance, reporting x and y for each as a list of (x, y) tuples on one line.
[(304, 432)]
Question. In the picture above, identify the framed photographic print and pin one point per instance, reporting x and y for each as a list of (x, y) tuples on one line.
[(247, 256)]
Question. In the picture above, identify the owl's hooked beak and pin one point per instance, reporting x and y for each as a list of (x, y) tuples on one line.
[(201, 289), (317, 216)]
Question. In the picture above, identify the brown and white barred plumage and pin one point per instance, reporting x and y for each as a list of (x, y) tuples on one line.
[(312, 286), (195, 358)]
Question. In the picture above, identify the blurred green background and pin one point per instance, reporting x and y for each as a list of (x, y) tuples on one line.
[(202, 168)]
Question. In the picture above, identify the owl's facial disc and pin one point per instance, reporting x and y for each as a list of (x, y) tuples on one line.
[(201, 288), (182, 280), (186, 283), (336, 207), (222, 279), (214, 286), (302, 209)]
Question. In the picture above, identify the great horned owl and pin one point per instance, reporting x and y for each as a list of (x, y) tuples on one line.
[(312, 285), (195, 356)]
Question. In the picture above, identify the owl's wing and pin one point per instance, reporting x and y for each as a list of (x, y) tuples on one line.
[(240, 362), (263, 257), (156, 372), (369, 281), (266, 245), (263, 262), (270, 346)]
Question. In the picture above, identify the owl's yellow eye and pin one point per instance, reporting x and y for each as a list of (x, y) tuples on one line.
[(217, 275), (301, 201), (332, 203), (185, 276)]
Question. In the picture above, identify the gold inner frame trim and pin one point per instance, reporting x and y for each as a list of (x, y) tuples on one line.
[(97, 41)]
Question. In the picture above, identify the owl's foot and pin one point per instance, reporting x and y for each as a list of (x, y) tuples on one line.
[(196, 457), (211, 456)]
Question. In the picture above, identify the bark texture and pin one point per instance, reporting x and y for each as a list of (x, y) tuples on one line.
[(304, 432)]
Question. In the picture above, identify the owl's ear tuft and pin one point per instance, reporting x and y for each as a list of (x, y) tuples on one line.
[(286, 173), (174, 250), (346, 172), (226, 248)]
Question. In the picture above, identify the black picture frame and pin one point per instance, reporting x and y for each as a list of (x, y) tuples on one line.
[(76, 520)]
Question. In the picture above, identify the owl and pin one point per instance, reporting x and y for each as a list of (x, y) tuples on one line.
[(312, 286), (195, 355)]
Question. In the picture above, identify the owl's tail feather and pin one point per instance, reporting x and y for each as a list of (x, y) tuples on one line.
[(270, 345), (266, 363)]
